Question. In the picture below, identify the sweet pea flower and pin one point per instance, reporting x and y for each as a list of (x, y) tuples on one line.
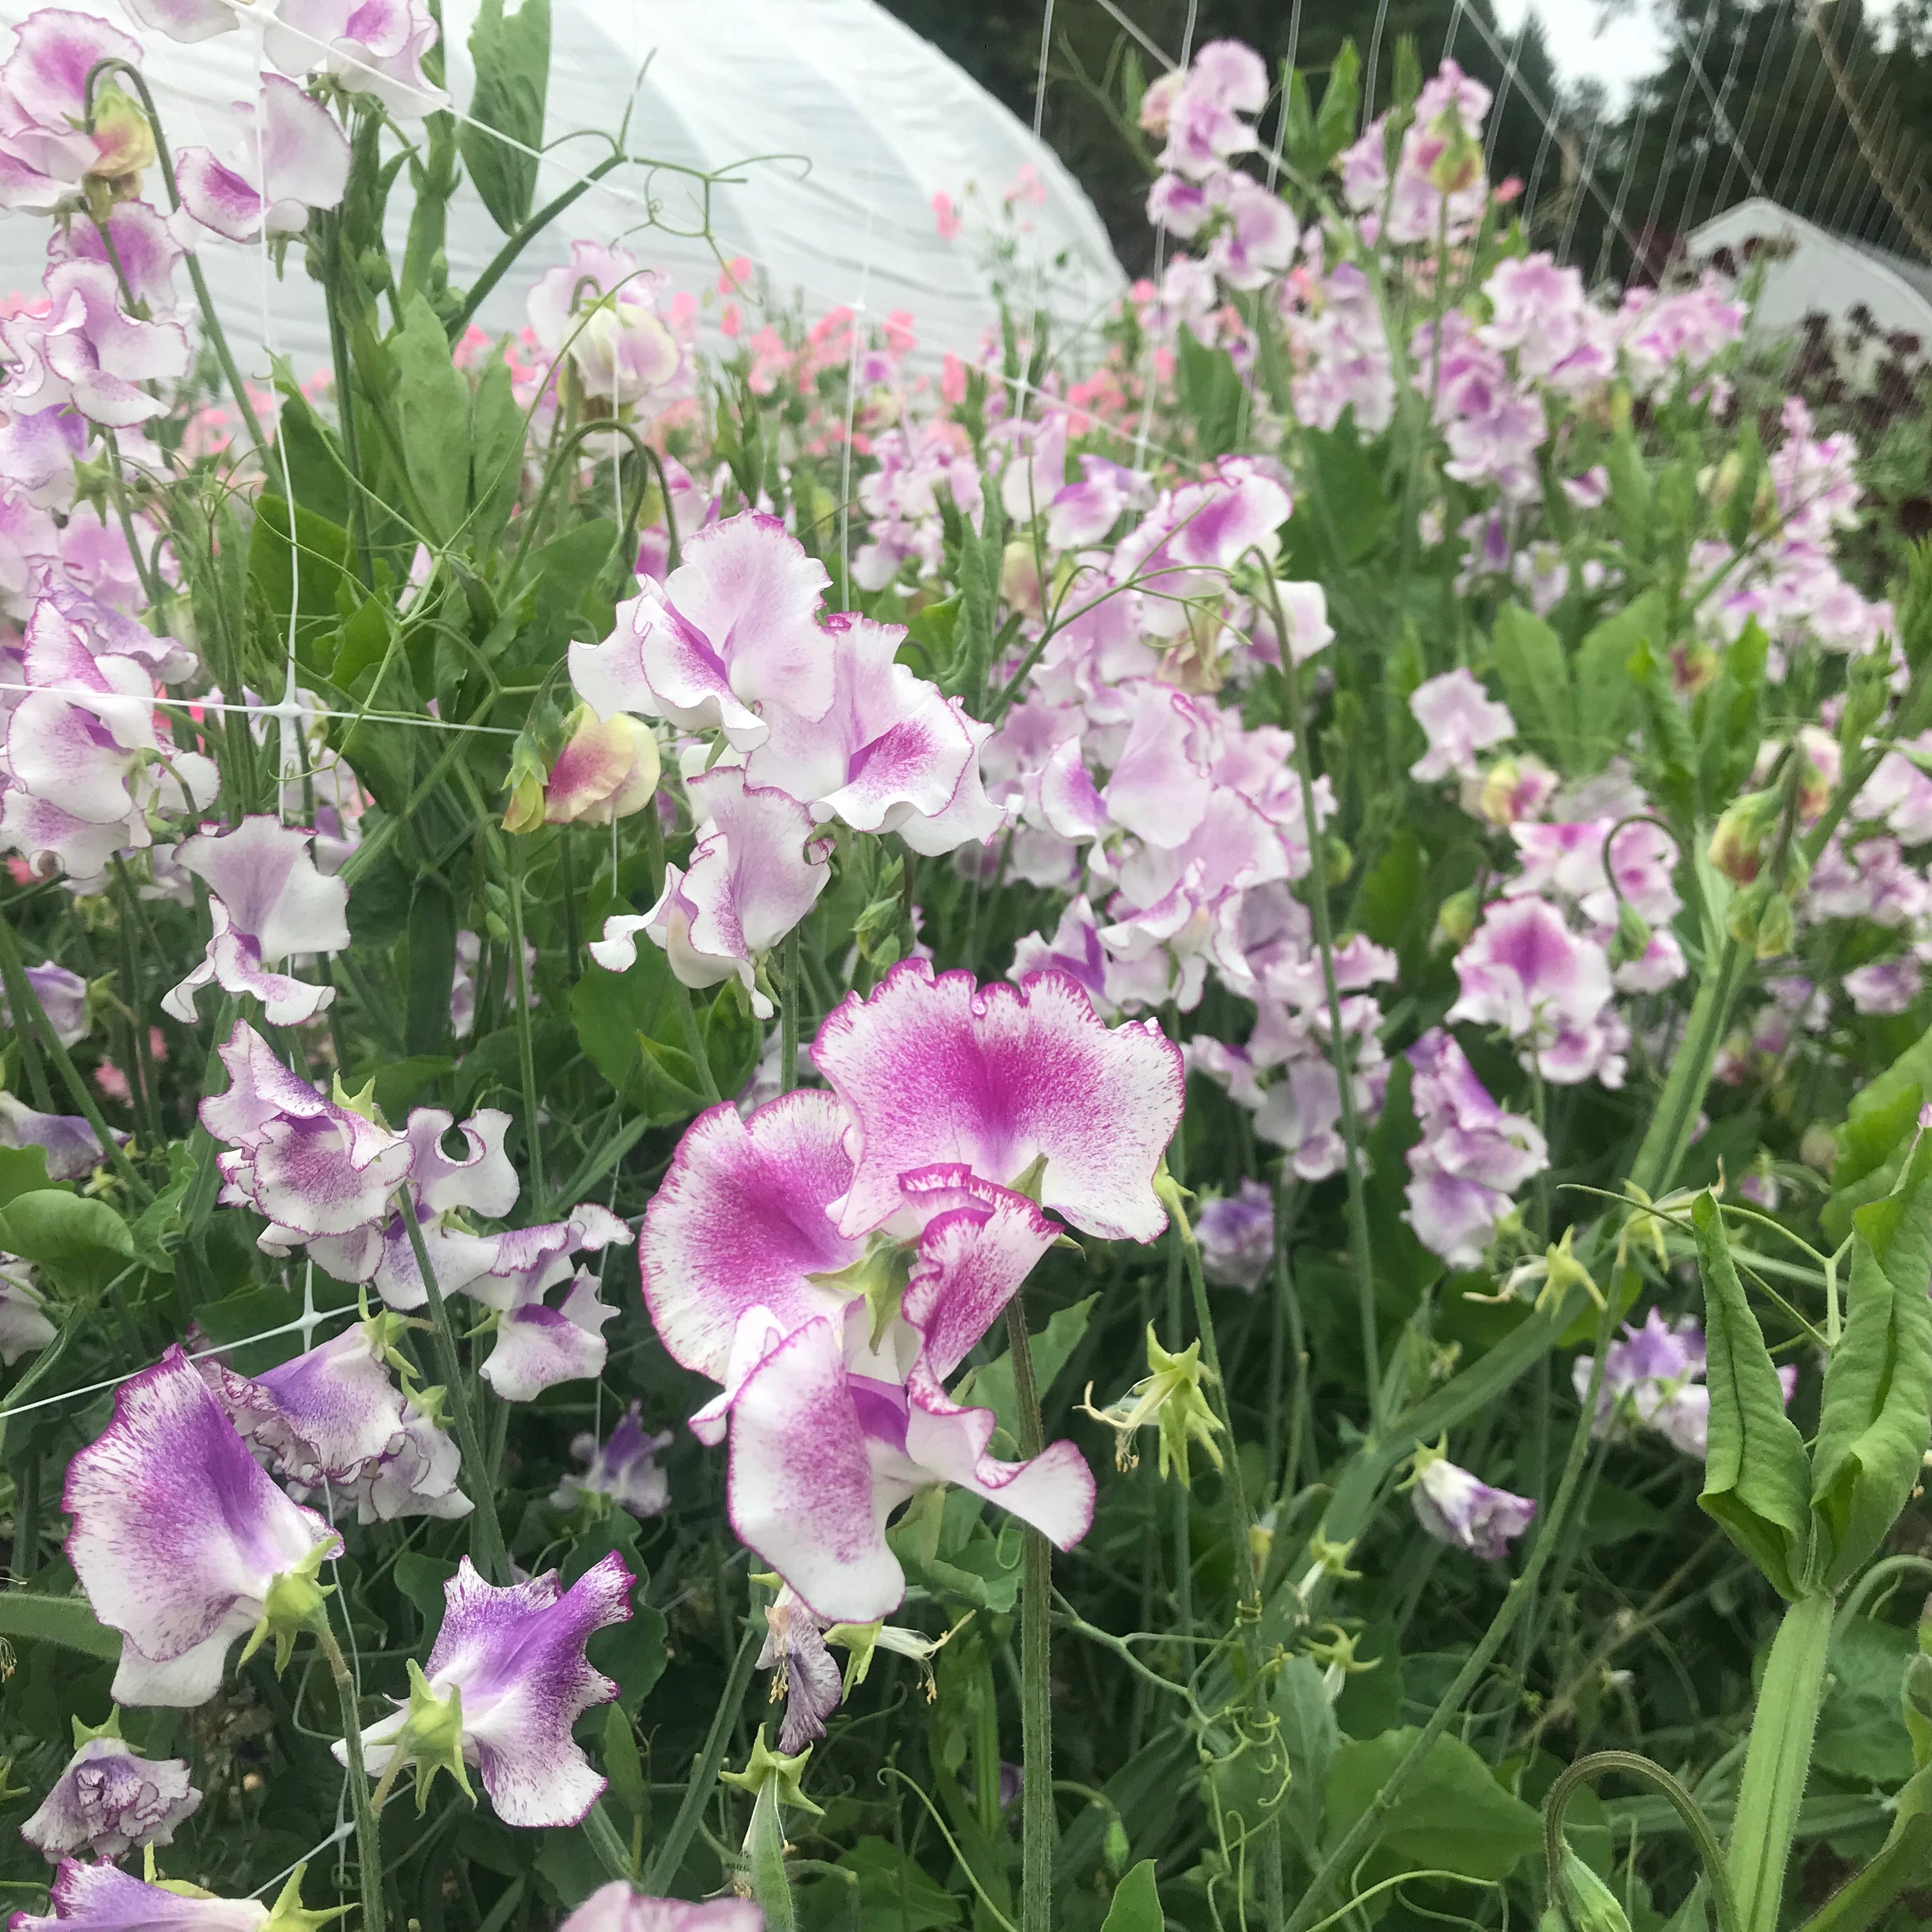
[(86, 351), (1459, 719), (1472, 1156), (46, 156), (267, 900), (1524, 970), (314, 1170), (624, 1468), (506, 1680), (1237, 1236), (329, 1420), (63, 998), (1456, 1508), (809, 1679), (289, 156), (755, 871), (832, 1349), (537, 1346), (72, 1148), (186, 20), (892, 754), (99, 1898), (364, 46), (111, 1801), (180, 1540), (619, 1907), (25, 1329), (1004, 1080), (733, 632), (1258, 236), (608, 769), (599, 308)]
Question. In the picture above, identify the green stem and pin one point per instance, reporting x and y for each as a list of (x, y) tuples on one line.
[(694, 1041), (1037, 1826), (1778, 1759), (487, 1538), (28, 1010), (525, 1044), (1361, 1252), (1240, 1534), (1867, 1587), (764, 1851), (1357, 1840), (505, 258), (704, 1769), (136, 1005), (788, 1015), (1898, 1866), (368, 1826), (608, 1842), (345, 398), (1633, 1766)]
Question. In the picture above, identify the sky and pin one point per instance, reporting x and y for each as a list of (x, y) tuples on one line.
[(1630, 46)]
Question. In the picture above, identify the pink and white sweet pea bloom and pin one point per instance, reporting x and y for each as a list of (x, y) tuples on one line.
[(1472, 1156), (600, 309), (517, 1656), (749, 1282), (289, 156), (734, 632), (1460, 719), (755, 871), (177, 1534), (85, 350), (1259, 238), (314, 1170), (111, 1801), (1002, 1078), (537, 1346), (46, 155), (100, 1898), (1524, 970), (186, 20), (618, 1907), (1459, 1510), (364, 46), (892, 753), (268, 901)]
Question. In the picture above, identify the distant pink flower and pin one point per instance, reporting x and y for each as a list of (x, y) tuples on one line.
[(1460, 718), (945, 216)]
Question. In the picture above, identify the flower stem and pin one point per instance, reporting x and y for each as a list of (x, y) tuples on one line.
[(1354, 1843), (487, 1538), (1361, 1250), (28, 1012), (694, 1042), (704, 1769), (1037, 1828), (612, 1854), (368, 1828), (1778, 1761), (788, 1015), (1240, 1529), (520, 968)]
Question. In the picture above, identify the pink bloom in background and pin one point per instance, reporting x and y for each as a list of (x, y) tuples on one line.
[(618, 1907), (946, 217), (1459, 719), (1472, 1158), (600, 309)]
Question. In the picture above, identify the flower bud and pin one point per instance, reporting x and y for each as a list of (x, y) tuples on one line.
[(1019, 578), (608, 770), (1456, 918), (1588, 1904), (1737, 845), (124, 143), (1819, 1149)]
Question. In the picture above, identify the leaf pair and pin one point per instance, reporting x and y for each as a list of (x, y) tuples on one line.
[(1811, 1521)]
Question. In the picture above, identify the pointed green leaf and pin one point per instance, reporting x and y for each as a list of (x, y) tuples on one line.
[(512, 56), (1136, 1905), (1876, 1421), (434, 400), (1529, 660), (1757, 1482)]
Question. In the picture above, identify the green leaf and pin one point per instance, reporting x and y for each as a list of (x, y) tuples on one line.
[(496, 450), (511, 57), (1309, 1734), (82, 1239), (301, 579), (1605, 697), (1451, 1815), (1136, 1904), (421, 1578), (622, 1766), (433, 401), (1335, 125), (1860, 1734), (990, 1385), (1529, 660), (1730, 719), (1757, 1482), (629, 1031), (1211, 389), (895, 1894), (1877, 1421), (23, 1170), (67, 1621)]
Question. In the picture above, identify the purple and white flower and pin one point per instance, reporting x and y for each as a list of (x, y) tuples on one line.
[(623, 1467), (514, 1661), (1237, 1236), (1462, 1511), (619, 1907), (600, 309), (25, 1329), (72, 1147), (267, 902), (289, 156), (178, 1534), (111, 1801), (1459, 719), (100, 1898)]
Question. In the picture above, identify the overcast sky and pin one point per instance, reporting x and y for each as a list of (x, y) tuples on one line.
[(1629, 47)]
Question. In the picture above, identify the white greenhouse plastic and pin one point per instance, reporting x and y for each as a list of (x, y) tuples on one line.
[(873, 121)]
